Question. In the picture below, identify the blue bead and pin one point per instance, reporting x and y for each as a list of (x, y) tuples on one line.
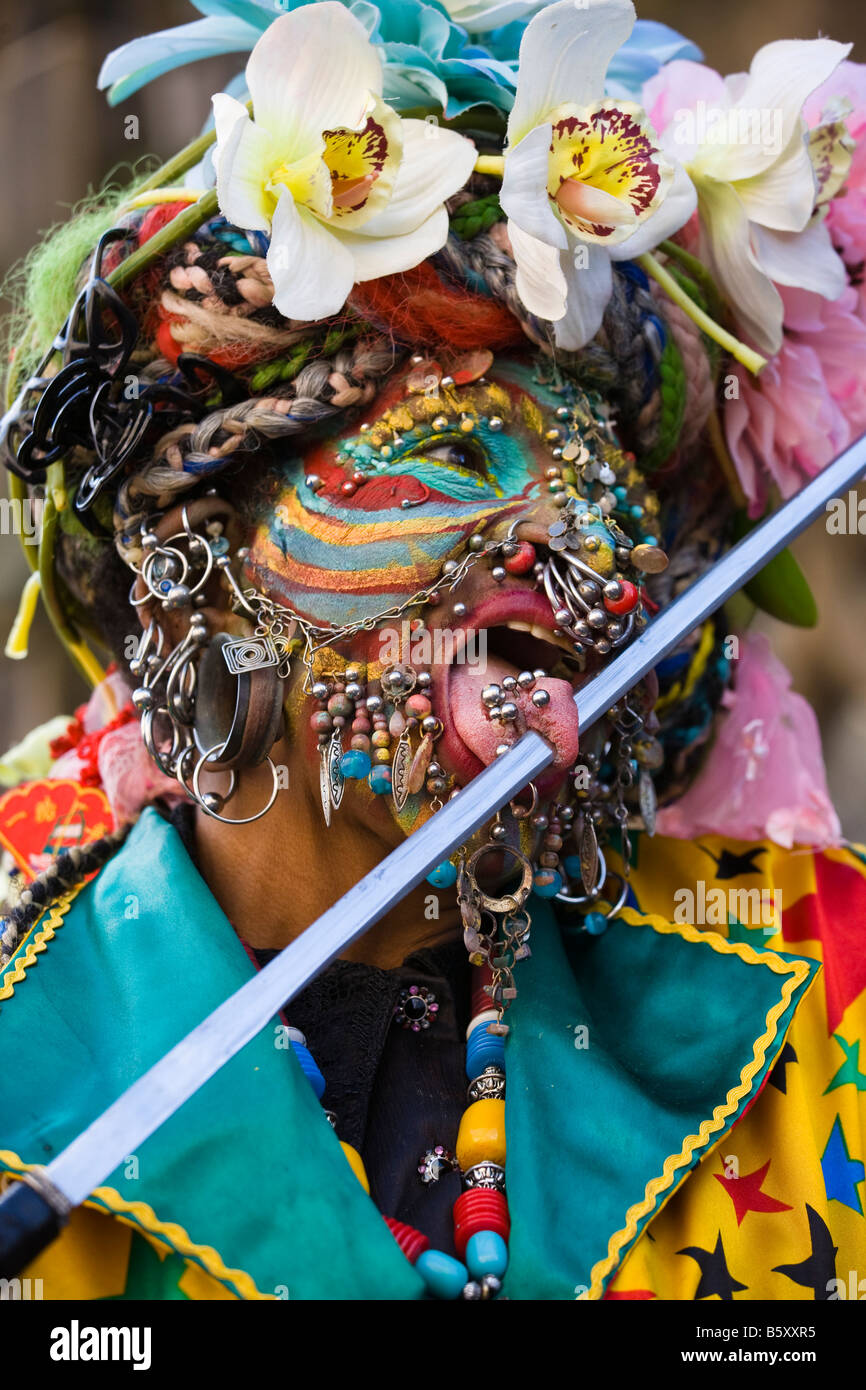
[(621, 493), (444, 1276), (380, 780), (571, 863), (649, 540), (486, 1253), (636, 510), (595, 923), (355, 763), (443, 876), (544, 889), (483, 1049), (309, 1068)]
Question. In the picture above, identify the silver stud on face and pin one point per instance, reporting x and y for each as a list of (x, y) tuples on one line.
[(449, 567), (459, 610), (494, 424), (597, 618), (509, 712), (491, 695), (498, 574), (539, 674), (526, 680), (540, 698), (509, 683), (476, 542)]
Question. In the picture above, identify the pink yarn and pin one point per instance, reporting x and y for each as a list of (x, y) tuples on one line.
[(809, 402), (764, 777), (129, 778)]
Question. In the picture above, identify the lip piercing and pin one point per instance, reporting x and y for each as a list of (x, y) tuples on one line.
[(407, 502)]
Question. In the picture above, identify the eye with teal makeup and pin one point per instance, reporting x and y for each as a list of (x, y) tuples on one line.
[(465, 465)]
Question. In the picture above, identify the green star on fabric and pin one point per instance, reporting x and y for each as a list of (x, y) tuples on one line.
[(747, 936), (849, 1072)]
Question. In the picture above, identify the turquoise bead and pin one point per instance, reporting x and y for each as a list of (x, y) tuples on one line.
[(444, 1276), (483, 1049), (636, 510), (380, 780), (443, 876), (595, 923), (571, 863), (486, 1253), (621, 493), (650, 540), (547, 884), (355, 763)]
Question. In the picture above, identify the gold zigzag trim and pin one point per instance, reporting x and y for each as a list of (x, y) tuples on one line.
[(23, 959), (137, 1214), (142, 1217), (797, 971)]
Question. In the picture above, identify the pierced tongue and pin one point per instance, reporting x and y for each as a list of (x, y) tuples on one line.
[(556, 721)]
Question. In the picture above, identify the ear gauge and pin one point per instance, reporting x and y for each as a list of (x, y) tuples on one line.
[(208, 703)]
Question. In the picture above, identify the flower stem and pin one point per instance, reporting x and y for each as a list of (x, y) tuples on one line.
[(490, 164), (750, 359), (180, 227)]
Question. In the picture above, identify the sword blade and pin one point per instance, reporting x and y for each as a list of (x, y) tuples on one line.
[(159, 1092)]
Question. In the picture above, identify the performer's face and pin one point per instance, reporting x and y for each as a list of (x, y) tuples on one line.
[(349, 550)]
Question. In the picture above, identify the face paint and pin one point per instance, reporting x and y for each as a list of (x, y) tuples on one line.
[(399, 497)]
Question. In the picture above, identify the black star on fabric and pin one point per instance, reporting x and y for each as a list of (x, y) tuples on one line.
[(716, 1278), (730, 865), (778, 1076), (818, 1270)]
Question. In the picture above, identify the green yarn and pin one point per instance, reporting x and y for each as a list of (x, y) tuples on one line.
[(286, 368), (43, 286), (672, 386), (475, 217)]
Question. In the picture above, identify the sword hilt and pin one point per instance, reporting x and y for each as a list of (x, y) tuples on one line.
[(32, 1214)]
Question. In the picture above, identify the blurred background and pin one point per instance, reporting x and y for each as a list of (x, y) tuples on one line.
[(58, 137)]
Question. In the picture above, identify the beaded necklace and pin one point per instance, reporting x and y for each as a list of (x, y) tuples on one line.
[(481, 1220)]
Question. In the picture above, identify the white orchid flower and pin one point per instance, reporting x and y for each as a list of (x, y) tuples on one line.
[(480, 16), (584, 180), (347, 189), (749, 158)]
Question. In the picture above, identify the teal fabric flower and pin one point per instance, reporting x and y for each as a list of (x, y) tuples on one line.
[(430, 62)]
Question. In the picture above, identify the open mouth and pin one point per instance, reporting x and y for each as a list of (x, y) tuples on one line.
[(509, 632)]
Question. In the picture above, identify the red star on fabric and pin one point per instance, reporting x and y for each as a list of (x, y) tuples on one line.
[(746, 1195), (628, 1294), (835, 915)]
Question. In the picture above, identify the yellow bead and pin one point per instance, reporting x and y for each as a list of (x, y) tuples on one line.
[(356, 1163), (482, 1134)]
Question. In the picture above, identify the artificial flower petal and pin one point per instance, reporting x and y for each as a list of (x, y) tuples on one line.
[(539, 280), (243, 159), (805, 260), (674, 213), (523, 195), (783, 196), (589, 282), (374, 257), (363, 164), (607, 146), (564, 55), (312, 272), (781, 77), (728, 250), (312, 70), (436, 163)]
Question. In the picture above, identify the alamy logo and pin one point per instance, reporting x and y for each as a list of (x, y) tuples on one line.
[(714, 907), (77, 1343)]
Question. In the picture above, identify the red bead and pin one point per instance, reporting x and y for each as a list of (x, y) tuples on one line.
[(522, 560), (479, 1209), (627, 602), (348, 488), (481, 975), (410, 1241), (359, 478)]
